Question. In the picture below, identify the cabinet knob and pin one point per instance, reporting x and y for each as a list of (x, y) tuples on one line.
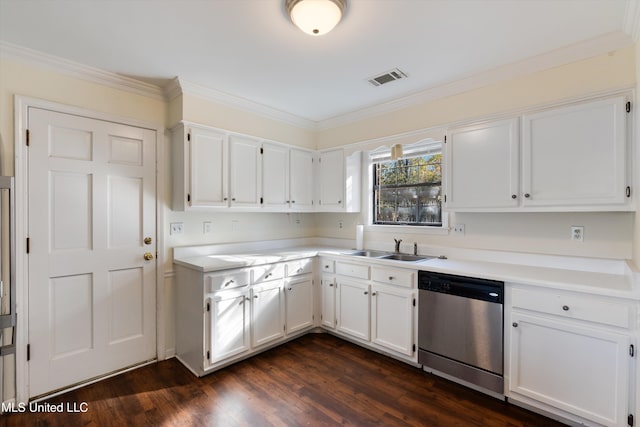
[(527, 195), (299, 270), (366, 292), (373, 294), (331, 285), (390, 277), (339, 201), (148, 256), (513, 196), (293, 201), (515, 324), (255, 296), (326, 266), (290, 289), (148, 240), (565, 307), (225, 199), (233, 199)]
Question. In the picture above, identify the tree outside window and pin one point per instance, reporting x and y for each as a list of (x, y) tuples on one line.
[(408, 191)]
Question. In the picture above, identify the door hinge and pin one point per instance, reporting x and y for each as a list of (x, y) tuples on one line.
[(628, 191), (28, 352), (28, 244), (414, 348), (632, 350), (630, 420), (208, 355), (188, 197), (629, 107), (414, 302), (189, 139), (28, 137), (208, 306)]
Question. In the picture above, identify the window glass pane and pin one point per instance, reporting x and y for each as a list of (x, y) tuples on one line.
[(408, 191)]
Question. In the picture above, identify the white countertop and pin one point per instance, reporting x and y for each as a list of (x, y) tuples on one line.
[(605, 284)]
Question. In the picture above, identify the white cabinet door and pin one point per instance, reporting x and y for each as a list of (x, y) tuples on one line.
[(332, 182), (353, 309), (208, 168), (299, 295), (267, 312), (275, 176), (582, 370), (301, 179), (392, 318), (482, 165), (245, 170), (229, 324), (328, 289), (575, 155)]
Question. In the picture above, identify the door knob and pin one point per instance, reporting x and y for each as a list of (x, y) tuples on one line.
[(147, 240), (148, 256)]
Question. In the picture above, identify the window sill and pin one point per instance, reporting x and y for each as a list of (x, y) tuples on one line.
[(409, 229)]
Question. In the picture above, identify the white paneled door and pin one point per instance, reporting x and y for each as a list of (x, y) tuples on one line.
[(92, 248)]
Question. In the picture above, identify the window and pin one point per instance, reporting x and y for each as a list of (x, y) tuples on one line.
[(408, 191)]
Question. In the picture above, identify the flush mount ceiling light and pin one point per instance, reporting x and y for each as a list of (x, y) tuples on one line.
[(315, 17)]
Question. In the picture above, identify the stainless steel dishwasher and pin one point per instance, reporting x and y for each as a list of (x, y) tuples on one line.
[(460, 328)]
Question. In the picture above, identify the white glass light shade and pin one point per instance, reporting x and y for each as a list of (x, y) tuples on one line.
[(316, 17)]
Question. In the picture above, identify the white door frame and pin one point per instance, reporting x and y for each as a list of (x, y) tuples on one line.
[(21, 106)]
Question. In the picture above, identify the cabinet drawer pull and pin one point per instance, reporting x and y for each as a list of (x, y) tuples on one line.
[(299, 270), (268, 275), (565, 307), (515, 324), (229, 283), (390, 277), (331, 285)]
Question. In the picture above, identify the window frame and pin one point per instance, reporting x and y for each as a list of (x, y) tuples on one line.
[(429, 146)]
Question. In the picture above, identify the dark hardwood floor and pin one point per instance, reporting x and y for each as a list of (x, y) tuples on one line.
[(316, 380)]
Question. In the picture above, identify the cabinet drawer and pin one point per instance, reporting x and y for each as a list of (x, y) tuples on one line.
[(579, 307), (328, 266), (230, 280), (393, 276), (299, 266), (353, 270), (262, 273)]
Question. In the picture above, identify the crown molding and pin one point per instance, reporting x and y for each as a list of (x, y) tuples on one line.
[(178, 86), (80, 71), (632, 20), (576, 52)]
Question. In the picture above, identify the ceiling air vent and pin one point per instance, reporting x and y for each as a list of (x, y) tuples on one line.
[(387, 77)]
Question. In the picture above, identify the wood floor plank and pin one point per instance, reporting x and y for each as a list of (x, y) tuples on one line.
[(316, 380)]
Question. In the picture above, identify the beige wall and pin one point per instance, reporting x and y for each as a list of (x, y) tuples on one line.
[(607, 235)]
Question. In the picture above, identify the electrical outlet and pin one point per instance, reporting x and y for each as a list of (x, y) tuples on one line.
[(577, 233), (177, 228), (207, 227), (458, 229)]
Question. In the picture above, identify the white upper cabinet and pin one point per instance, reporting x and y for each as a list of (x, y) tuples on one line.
[(275, 176), (301, 171), (575, 155), (567, 158), (201, 168), (245, 167), (339, 181), (482, 165)]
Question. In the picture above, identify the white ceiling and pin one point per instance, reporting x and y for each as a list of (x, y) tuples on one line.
[(250, 49)]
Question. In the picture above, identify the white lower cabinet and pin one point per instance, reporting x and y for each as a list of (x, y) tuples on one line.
[(267, 313), (328, 301), (243, 311), (392, 319), (353, 309), (227, 325), (299, 301), (572, 355), (379, 312)]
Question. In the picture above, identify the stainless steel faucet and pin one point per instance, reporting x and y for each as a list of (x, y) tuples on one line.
[(397, 244)]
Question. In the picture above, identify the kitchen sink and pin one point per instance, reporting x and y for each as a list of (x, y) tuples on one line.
[(371, 254), (405, 257)]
